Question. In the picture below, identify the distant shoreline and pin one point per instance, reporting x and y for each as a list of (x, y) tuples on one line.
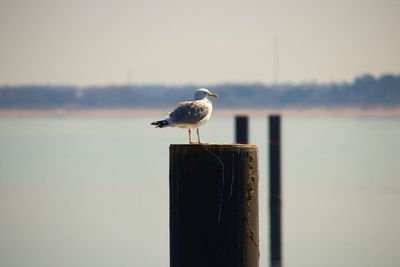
[(140, 112)]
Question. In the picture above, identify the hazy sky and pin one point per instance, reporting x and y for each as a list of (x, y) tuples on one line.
[(209, 41)]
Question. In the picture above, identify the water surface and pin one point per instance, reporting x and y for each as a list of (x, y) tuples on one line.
[(94, 191)]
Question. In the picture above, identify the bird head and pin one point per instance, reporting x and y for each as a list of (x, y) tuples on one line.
[(204, 93)]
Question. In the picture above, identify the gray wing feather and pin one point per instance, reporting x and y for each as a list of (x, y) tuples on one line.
[(189, 112)]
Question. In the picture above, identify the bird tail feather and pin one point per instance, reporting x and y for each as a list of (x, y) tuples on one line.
[(160, 124)]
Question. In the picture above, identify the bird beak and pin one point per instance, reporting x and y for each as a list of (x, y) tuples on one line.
[(213, 95)]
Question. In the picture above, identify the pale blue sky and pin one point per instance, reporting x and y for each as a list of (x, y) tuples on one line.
[(111, 42)]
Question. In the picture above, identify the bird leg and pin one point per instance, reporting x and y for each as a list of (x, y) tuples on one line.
[(198, 136), (190, 136)]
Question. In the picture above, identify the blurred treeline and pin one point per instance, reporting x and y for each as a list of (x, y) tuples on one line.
[(365, 91)]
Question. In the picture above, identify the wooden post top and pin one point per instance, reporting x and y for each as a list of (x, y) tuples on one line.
[(210, 146)]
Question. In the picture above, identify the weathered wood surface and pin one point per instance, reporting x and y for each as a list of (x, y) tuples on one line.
[(214, 205)]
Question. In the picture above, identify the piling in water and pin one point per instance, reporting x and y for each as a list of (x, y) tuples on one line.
[(275, 191), (242, 129), (214, 205)]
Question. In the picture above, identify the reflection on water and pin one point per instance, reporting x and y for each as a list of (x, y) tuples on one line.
[(94, 192)]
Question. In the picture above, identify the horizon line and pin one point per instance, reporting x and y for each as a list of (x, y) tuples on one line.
[(186, 84)]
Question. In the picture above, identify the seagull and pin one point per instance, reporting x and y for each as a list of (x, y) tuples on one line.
[(190, 114)]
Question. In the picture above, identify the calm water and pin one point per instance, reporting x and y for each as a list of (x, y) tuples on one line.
[(88, 192)]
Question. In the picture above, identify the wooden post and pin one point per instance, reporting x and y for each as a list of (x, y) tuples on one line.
[(214, 205), (275, 190), (242, 132)]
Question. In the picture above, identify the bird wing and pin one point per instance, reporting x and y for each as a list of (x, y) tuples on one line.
[(189, 112)]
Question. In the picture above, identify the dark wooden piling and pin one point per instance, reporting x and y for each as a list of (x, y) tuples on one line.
[(214, 205), (242, 131), (275, 191)]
